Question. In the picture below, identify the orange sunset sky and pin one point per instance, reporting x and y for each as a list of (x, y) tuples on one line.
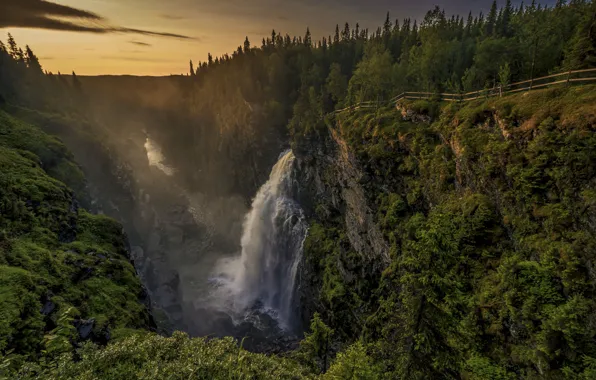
[(125, 36)]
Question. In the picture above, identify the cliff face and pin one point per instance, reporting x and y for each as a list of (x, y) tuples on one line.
[(464, 228), (66, 275)]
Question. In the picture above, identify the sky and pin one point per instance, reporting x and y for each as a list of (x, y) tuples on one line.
[(159, 37)]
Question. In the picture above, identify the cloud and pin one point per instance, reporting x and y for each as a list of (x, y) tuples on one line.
[(139, 43), (42, 14)]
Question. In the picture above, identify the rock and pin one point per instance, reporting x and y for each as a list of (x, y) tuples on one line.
[(83, 274), (85, 327), (48, 308)]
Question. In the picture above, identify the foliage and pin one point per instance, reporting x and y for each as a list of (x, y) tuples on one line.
[(354, 363), (315, 348), (489, 213), (143, 356), (59, 265)]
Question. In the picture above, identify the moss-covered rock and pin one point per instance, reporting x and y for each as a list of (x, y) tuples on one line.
[(59, 265)]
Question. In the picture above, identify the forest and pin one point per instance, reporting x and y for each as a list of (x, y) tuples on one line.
[(486, 209)]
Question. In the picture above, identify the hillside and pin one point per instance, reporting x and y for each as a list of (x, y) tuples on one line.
[(66, 274), (460, 236)]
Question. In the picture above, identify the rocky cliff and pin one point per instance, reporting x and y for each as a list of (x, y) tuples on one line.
[(456, 238)]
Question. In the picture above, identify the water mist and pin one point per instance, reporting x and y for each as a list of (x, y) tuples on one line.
[(264, 275)]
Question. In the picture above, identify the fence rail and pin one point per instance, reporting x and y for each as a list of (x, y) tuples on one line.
[(570, 77)]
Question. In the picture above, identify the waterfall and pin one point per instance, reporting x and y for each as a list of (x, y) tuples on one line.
[(156, 157), (274, 231)]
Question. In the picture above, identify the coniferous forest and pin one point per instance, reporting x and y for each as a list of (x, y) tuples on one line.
[(446, 240)]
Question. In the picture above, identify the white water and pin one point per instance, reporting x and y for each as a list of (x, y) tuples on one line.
[(274, 231), (156, 158)]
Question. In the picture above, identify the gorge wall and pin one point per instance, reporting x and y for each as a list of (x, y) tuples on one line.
[(448, 234)]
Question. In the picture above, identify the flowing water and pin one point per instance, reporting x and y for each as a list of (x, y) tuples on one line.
[(156, 157), (250, 293), (264, 275)]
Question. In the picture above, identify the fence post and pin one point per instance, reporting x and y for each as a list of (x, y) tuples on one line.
[(568, 78), (500, 90)]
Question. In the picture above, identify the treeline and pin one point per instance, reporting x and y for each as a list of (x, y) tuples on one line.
[(24, 82), (441, 53)]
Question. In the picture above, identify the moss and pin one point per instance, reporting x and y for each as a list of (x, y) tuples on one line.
[(50, 152), (55, 257)]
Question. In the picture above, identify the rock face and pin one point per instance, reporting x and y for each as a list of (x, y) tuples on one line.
[(332, 184)]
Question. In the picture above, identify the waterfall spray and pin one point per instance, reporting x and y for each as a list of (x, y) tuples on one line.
[(274, 232)]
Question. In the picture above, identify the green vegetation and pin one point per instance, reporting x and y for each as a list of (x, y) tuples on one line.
[(60, 267), (144, 356), (489, 212), (488, 209)]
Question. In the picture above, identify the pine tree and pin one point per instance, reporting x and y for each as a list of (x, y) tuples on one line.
[(491, 20), (32, 60), (581, 52), (387, 26), (209, 59), (76, 83), (307, 38), (192, 69), (273, 37), (246, 45), (345, 35), (521, 9), (336, 38), (506, 19), (13, 49), (469, 25), (315, 348)]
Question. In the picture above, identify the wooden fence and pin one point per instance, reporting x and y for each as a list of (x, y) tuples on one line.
[(568, 78)]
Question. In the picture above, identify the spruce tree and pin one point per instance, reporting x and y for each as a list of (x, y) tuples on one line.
[(387, 26), (13, 49), (307, 38), (345, 35), (491, 20), (32, 60), (506, 19), (76, 83), (336, 37), (581, 52), (246, 45)]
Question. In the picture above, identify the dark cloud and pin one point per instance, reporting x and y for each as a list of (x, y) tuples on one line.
[(139, 43), (41, 14)]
